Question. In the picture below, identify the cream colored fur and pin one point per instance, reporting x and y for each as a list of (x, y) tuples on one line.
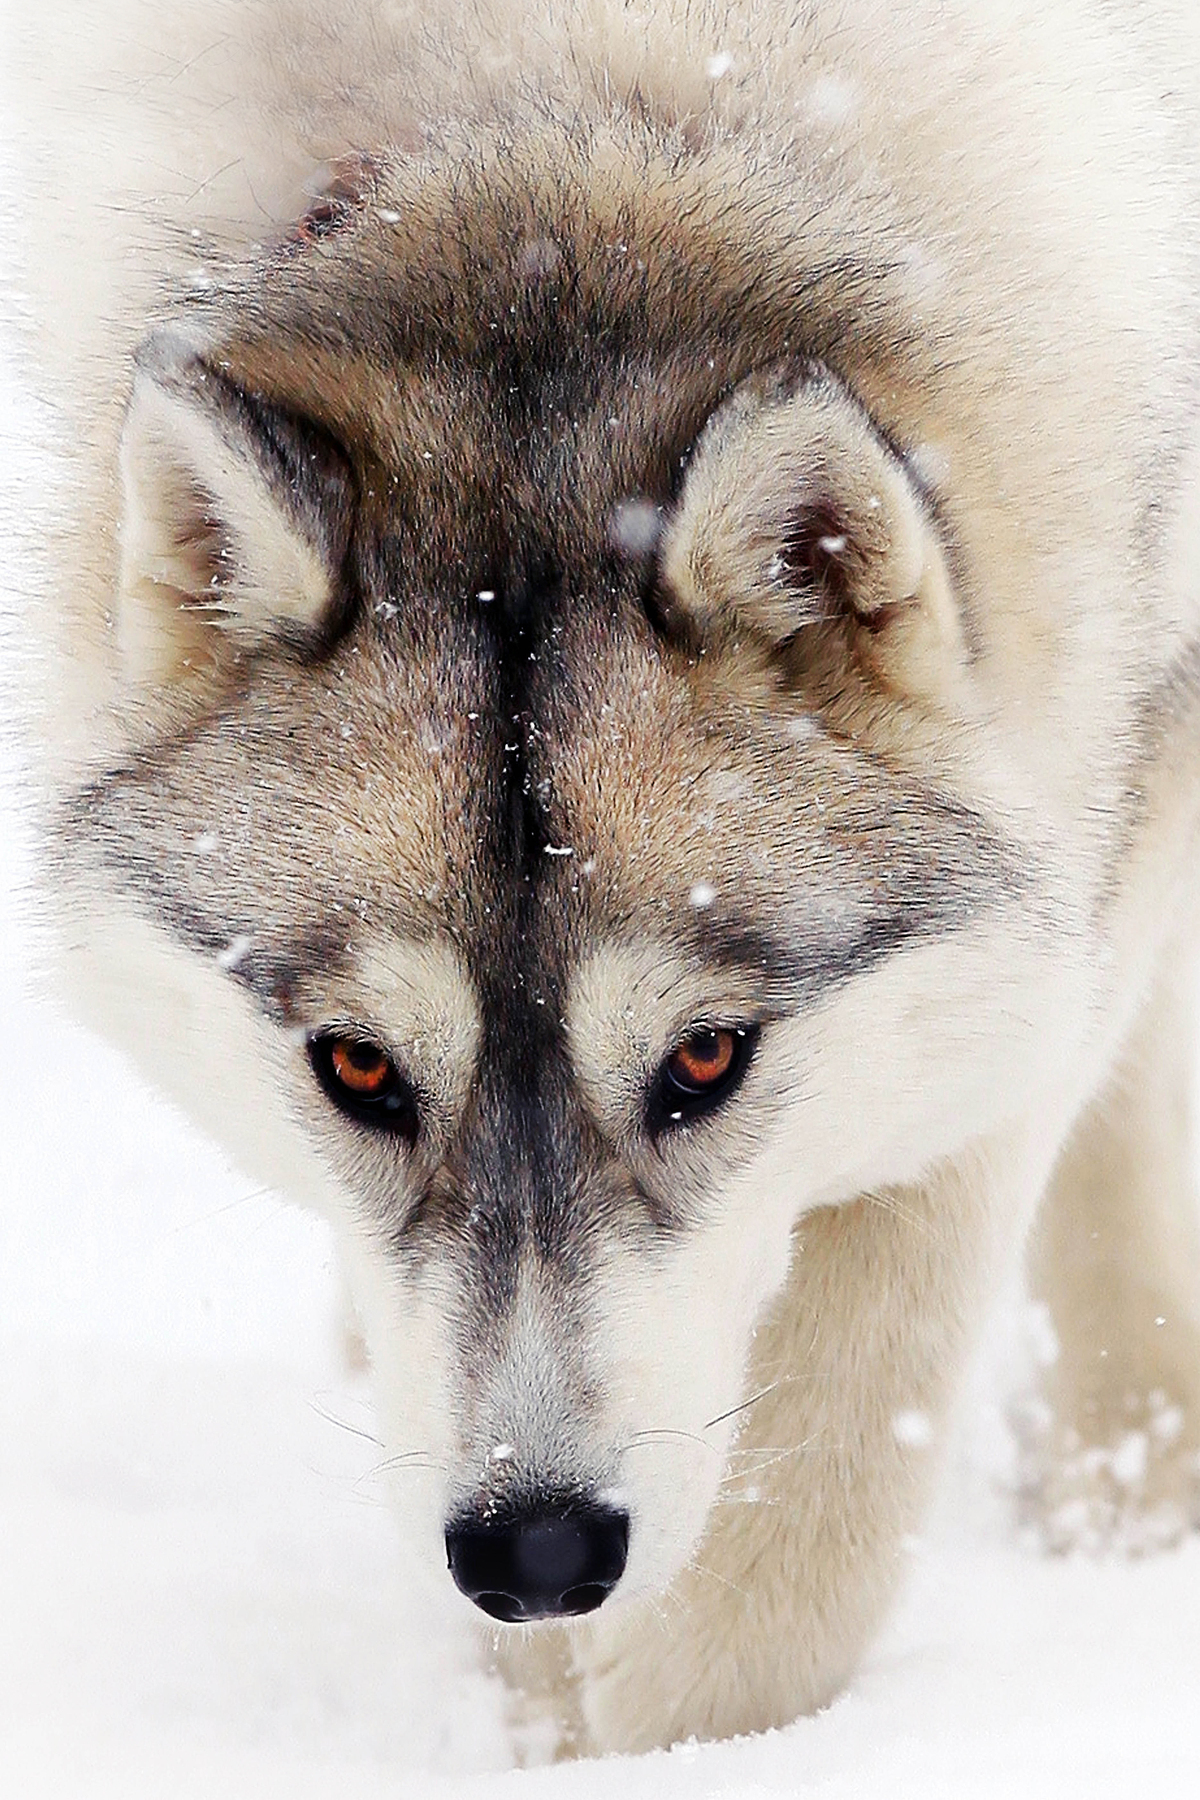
[(174, 468), (1032, 203)]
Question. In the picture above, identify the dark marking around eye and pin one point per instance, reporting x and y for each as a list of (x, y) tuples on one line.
[(703, 1071), (361, 1079)]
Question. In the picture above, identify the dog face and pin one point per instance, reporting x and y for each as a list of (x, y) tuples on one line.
[(542, 673)]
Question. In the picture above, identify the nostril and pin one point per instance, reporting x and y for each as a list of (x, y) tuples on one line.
[(541, 1563), (584, 1599), (497, 1606)]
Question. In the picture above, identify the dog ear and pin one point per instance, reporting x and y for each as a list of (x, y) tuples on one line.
[(797, 513), (235, 520)]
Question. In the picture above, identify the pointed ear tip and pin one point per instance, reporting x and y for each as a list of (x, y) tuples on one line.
[(163, 435), (166, 352)]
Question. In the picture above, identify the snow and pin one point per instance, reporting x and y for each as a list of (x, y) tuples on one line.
[(200, 1591), (635, 527), (912, 1429)]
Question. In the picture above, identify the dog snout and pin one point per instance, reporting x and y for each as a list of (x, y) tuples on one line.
[(544, 1562)]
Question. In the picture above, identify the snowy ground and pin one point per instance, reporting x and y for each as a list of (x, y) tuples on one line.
[(198, 1591)]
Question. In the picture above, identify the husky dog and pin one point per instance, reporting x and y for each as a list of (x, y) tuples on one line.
[(623, 718)]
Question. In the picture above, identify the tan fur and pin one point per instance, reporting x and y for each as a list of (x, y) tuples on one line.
[(174, 470), (795, 515), (877, 628)]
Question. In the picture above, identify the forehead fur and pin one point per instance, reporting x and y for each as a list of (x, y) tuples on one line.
[(501, 747), (546, 271)]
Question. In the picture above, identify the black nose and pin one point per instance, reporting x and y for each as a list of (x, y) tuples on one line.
[(549, 1563)]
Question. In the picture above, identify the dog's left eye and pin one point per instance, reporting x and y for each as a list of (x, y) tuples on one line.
[(701, 1071), (362, 1080)]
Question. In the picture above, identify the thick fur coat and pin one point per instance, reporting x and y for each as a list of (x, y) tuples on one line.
[(619, 681)]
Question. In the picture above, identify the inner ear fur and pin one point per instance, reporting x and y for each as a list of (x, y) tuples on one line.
[(796, 512), (235, 520)]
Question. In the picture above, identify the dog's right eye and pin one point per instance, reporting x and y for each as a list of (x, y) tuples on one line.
[(362, 1080)]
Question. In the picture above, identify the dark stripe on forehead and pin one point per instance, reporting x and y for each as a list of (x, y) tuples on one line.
[(517, 623)]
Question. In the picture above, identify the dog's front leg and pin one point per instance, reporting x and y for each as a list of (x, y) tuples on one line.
[(1113, 1460), (855, 1367)]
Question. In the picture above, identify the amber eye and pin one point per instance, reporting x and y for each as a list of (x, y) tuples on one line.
[(701, 1061), (363, 1068), (362, 1080), (701, 1071)]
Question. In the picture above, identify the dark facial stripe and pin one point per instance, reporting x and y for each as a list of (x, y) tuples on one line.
[(110, 828), (799, 959), (271, 968)]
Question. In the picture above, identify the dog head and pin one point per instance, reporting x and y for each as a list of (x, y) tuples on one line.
[(543, 682)]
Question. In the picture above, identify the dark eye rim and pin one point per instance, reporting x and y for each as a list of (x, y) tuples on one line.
[(670, 1107), (393, 1110)]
